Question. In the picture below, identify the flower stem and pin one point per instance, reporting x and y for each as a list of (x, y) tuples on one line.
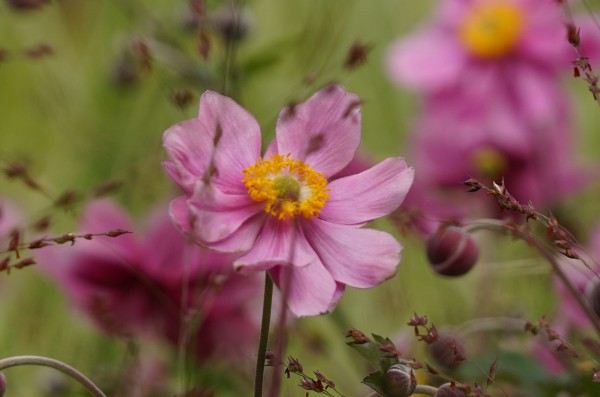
[(426, 389), (264, 336), (58, 365)]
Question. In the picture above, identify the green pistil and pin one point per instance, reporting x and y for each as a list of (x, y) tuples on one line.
[(287, 187)]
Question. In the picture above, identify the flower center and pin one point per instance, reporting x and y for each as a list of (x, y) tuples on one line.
[(288, 187), (489, 162), (491, 29)]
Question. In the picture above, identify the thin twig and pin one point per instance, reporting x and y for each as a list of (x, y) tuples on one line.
[(52, 363)]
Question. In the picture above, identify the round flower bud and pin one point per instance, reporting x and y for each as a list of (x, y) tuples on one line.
[(399, 380), (592, 293), (451, 251), (2, 384), (447, 350), (449, 390)]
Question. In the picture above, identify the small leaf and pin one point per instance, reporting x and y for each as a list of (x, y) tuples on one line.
[(375, 382)]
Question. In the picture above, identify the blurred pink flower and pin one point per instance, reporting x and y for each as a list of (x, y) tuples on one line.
[(133, 285), (490, 72), (482, 50), (284, 210), (536, 163)]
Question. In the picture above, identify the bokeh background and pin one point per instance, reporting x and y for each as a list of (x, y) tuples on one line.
[(91, 107)]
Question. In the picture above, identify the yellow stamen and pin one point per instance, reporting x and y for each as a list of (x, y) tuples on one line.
[(492, 28), (288, 187)]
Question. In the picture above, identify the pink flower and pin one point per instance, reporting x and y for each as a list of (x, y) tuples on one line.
[(494, 108), (537, 164), (284, 210), (482, 50), (135, 286)]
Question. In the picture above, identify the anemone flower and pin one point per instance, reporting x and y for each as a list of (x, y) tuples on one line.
[(537, 164), (285, 210), (155, 285), (480, 50)]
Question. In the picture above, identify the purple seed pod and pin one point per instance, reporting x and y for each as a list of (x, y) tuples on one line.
[(447, 350), (449, 390), (399, 380), (592, 294), (451, 251)]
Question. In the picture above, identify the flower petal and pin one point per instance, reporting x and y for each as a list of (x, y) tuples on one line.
[(360, 258), (224, 133), (429, 60), (189, 148), (312, 290), (179, 211), (242, 239), (360, 198), (280, 243), (324, 131), (219, 214)]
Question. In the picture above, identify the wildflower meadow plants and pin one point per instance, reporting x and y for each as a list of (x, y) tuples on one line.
[(274, 242)]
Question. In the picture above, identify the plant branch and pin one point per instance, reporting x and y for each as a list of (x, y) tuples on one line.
[(52, 363)]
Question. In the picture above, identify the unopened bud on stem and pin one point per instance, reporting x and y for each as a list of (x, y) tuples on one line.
[(451, 251), (399, 381), (449, 390)]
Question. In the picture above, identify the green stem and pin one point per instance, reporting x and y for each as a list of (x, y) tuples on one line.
[(426, 389), (264, 336)]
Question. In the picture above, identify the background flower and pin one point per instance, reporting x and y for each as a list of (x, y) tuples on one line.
[(157, 285), (493, 103)]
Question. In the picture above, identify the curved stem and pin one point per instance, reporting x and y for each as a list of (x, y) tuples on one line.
[(583, 304), (52, 363), (426, 389), (491, 324), (264, 336), (493, 224)]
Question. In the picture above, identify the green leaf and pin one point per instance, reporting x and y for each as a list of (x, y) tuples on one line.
[(375, 382)]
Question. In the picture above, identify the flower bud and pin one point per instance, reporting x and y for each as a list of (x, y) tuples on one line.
[(451, 251), (447, 350), (449, 390), (2, 384), (399, 380)]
